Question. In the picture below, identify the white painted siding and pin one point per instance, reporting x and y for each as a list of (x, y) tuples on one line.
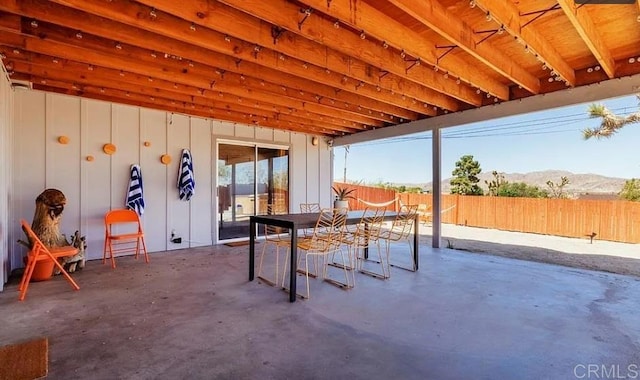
[(94, 187), (6, 143)]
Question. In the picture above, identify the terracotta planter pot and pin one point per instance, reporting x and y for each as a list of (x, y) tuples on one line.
[(43, 270)]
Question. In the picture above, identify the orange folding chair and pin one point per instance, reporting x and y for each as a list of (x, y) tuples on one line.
[(128, 238), (40, 252)]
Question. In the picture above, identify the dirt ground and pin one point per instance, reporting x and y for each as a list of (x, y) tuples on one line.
[(607, 256)]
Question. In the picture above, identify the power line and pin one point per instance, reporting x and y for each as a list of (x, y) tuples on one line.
[(551, 122)]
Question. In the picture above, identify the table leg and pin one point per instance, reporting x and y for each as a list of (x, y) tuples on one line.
[(294, 265), (252, 248), (416, 240)]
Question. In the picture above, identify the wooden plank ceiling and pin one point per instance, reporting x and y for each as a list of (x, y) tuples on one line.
[(327, 67)]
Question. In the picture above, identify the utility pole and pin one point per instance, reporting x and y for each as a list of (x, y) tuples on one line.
[(346, 152)]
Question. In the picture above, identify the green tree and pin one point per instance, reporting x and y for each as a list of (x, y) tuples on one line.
[(522, 190), (631, 190), (557, 189), (610, 123), (465, 175)]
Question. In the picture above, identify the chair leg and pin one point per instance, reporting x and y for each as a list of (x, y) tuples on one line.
[(413, 262), (264, 252), (65, 274), (26, 279), (144, 249), (113, 260), (104, 251)]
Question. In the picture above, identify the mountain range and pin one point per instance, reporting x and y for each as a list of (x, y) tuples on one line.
[(578, 183)]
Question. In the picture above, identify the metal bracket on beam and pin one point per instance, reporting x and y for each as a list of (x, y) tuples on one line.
[(383, 73), (238, 62), (276, 32), (307, 12), (414, 62)]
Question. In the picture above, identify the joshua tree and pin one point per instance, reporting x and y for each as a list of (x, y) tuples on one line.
[(610, 122), (495, 184), (557, 189)]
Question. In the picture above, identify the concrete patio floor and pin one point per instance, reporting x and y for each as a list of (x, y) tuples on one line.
[(193, 314)]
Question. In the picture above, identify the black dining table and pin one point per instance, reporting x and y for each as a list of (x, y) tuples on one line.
[(294, 222)]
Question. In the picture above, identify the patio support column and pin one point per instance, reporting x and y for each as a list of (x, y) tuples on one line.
[(436, 206)]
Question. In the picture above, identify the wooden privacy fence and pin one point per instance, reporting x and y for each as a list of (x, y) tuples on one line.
[(609, 219), (369, 194)]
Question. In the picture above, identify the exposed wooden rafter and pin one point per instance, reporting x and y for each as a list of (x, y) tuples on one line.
[(362, 16), (584, 25), (508, 17), (436, 17), (238, 37), (336, 68), (380, 68)]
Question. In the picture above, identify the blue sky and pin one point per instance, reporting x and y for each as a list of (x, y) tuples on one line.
[(549, 140)]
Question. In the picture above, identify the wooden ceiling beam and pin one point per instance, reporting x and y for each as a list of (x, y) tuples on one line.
[(339, 46), (362, 16), (508, 16), (367, 97), (246, 27), (225, 83), (436, 17), (10, 23), (47, 76), (63, 35), (189, 111), (585, 27), (258, 33)]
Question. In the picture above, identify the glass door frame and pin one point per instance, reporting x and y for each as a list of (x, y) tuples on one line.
[(255, 145)]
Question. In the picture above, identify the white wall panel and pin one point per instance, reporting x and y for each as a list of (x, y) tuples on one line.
[(325, 166), (178, 138), (28, 163), (313, 186), (244, 131), (62, 161), (201, 210), (93, 187), (153, 129), (6, 148), (222, 128), (125, 135), (96, 175), (281, 136), (264, 134), (298, 174)]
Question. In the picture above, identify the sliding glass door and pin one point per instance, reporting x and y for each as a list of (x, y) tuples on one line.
[(250, 177)]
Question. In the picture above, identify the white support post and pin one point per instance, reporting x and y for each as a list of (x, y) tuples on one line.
[(436, 207)]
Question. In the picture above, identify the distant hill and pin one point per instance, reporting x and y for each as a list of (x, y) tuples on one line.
[(578, 183)]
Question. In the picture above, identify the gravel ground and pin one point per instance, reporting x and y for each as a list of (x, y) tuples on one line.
[(607, 256)]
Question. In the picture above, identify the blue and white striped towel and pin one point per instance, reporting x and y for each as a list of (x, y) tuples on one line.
[(135, 197), (186, 180)]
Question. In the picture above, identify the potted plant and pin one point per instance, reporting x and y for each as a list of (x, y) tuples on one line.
[(343, 194)]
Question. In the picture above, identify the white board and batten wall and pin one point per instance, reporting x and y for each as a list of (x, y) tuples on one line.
[(6, 121), (92, 188)]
